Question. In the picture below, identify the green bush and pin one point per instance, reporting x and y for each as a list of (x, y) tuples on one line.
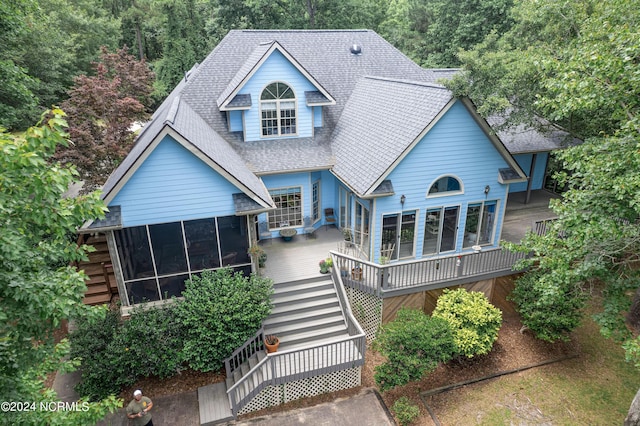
[(414, 344), (473, 320), (550, 310), (405, 411), (115, 353), (219, 312)]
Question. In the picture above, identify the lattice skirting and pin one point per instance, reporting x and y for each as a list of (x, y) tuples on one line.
[(367, 308), (276, 395)]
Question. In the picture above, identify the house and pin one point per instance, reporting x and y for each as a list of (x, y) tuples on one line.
[(293, 130), (277, 126)]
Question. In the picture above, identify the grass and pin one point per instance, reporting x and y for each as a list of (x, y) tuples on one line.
[(596, 388)]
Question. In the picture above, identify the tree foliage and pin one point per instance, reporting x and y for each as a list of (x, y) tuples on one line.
[(38, 287), (102, 109), (575, 63), (473, 320), (414, 344), (221, 309)]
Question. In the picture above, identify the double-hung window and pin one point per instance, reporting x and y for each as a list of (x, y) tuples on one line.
[(278, 110)]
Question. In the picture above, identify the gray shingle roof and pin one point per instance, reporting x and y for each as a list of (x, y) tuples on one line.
[(387, 114), (192, 108), (525, 138)]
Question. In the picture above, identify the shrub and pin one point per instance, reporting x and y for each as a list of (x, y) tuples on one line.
[(115, 353), (550, 310), (473, 320), (219, 312), (405, 411), (413, 344)]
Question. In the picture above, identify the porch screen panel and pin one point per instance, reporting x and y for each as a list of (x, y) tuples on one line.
[(168, 248), (234, 240), (134, 253), (142, 291), (173, 285), (202, 244)]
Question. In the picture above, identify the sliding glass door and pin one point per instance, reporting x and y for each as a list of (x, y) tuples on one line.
[(398, 235), (441, 230)]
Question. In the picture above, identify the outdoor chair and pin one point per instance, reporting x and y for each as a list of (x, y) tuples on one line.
[(309, 229), (329, 217)]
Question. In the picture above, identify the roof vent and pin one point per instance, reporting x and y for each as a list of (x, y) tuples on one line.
[(356, 49)]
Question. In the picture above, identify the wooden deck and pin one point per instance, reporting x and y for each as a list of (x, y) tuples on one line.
[(298, 259)]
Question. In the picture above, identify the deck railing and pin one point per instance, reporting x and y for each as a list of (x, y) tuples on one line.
[(244, 352), (405, 277), (297, 364)]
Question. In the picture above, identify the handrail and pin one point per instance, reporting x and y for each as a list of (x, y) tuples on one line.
[(297, 364), (250, 347), (378, 279), (353, 326)]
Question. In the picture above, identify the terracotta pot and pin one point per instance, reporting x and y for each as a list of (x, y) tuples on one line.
[(272, 348)]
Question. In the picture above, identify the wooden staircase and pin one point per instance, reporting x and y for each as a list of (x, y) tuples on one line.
[(101, 285), (305, 313)]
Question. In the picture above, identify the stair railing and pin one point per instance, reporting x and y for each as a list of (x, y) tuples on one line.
[(253, 345)]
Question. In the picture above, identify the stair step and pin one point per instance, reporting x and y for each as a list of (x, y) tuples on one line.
[(317, 341), (288, 326), (279, 299), (313, 335), (302, 307), (297, 314), (302, 287), (214, 404)]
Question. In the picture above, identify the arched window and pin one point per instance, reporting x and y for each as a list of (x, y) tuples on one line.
[(278, 110), (446, 185)]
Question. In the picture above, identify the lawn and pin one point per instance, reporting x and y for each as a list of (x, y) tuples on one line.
[(591, 384)]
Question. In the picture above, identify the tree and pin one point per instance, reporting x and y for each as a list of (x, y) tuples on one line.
[(431, 32), (38, 287), (414, 344), (576, 64), (101, 111)]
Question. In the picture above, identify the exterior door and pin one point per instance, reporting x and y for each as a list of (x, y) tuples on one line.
[(399, 229), (441, 230)]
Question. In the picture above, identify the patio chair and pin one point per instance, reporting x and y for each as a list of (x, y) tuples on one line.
[(309, 229), (329, 217), (263, 231)]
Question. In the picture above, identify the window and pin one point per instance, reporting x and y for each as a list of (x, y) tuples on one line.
[(446, 185), (156, 260), (478, 228), (278, 110), (288, 210), (315, 202)]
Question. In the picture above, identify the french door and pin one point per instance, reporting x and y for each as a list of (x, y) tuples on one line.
[(398, 231), (441, 230)]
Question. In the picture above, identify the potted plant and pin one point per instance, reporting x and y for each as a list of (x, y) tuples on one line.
[(258, 254), (347, 235), (325, 265), (271, 342), (356, 273)]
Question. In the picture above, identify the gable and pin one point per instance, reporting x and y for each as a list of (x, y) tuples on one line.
[(455, 146), (173, 184)]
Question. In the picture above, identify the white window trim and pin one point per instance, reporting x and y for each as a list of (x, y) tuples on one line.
[(446, 193), (480, 217), (278, 116)]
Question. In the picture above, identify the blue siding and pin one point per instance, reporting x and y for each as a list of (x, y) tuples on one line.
[(524, 160), (173, 184), (455, 146), (277, 68), (235, 121), (317, 117)]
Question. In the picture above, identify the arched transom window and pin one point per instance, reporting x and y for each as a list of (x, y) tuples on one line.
[(278, 109), (446, 185)]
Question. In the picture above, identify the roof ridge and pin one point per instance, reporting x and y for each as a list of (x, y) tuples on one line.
[(403, 81), (302, 30), (173, 110)]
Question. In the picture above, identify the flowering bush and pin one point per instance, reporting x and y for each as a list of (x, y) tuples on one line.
[(326, 263)]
